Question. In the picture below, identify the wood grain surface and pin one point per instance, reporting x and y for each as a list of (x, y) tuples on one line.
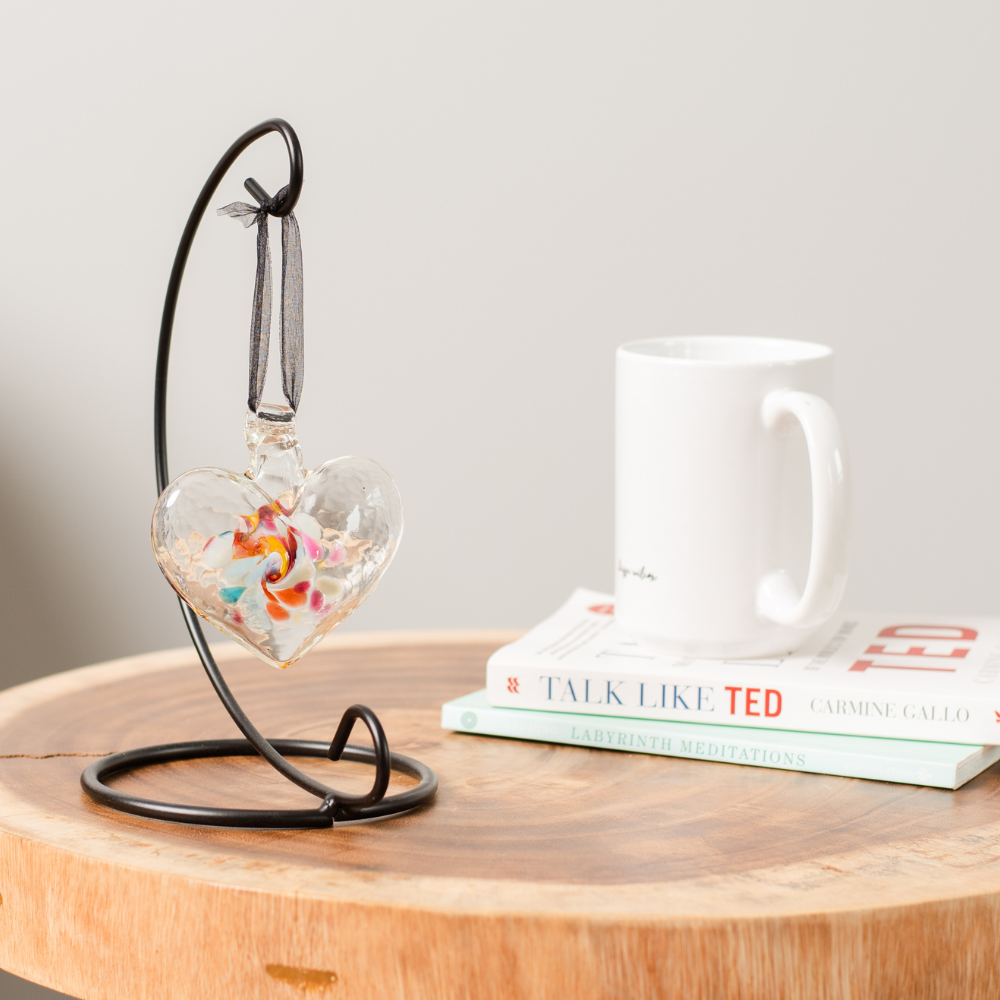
[(539, 872)]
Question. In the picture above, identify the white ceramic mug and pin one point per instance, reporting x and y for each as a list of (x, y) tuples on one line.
[(712, 494)]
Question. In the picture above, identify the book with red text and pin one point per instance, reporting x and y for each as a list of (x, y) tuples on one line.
[(914, 677), (911, 762)]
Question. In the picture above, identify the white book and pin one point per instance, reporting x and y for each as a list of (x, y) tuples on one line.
[(913, 677), (941, 765)]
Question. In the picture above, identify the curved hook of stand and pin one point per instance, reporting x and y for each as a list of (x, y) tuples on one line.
[(335, 805), (383, 763), (285, 202)]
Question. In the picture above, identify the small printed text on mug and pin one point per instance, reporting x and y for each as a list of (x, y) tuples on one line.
[(641, 573)]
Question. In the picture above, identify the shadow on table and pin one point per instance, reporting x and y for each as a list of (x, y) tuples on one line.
[(15, 988)]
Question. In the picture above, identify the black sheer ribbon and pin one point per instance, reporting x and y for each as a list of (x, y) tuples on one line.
[(291, 323)]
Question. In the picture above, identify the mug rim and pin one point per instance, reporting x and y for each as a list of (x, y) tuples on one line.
[(770, 350)]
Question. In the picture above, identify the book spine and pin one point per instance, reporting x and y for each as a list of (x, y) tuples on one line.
[(632, 736), (770, 704)]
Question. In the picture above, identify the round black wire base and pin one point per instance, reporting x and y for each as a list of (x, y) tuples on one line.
[(329, 811)]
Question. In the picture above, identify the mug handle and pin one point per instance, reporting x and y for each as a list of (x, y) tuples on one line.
[(778, 598)]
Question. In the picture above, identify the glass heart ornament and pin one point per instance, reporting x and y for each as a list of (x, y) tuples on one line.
[(278, 556)]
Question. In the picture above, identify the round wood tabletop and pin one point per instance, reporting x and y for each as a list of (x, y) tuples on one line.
[(538, 872)]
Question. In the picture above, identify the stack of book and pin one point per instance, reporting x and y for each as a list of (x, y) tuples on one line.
[(912, 699)]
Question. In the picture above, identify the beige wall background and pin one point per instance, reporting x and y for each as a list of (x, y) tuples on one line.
[(496, 196)]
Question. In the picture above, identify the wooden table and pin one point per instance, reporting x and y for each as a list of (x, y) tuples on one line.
[(540, 871)]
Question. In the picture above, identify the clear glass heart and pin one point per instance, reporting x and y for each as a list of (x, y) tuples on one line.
[(278, 556)]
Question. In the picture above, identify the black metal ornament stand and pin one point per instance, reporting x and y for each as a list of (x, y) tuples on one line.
[(334, 806)]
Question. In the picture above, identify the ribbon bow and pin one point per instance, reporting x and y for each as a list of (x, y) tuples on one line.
[(291, 300)]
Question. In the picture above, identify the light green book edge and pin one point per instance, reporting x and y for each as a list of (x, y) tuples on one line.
[(911, 762)]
